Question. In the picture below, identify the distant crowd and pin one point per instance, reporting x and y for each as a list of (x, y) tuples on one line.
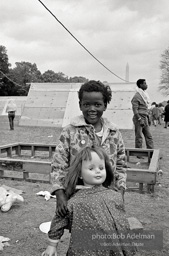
[(157, 114)]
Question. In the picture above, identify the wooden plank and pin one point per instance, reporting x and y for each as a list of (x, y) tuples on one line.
[(42, 148), (154, 161), (37, 146), (25, 175), (145, 176), (128, 154), (149, 156), (141, 176), (51, 150), (9, 145), (21, 160), (140, 187), (27, 180), (33, 147), (9, 152), (140, 152), (26, 147), (18, 150), (37, 167), (32, 150), (27, 165), (11, 164), (1, 173)]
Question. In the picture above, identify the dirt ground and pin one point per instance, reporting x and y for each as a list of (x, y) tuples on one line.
[(21, 223)]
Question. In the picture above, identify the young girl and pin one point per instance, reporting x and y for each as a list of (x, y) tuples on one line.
[(88, 130), (94, 211)]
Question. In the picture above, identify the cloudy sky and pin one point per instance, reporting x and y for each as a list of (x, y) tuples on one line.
[(116, 32)]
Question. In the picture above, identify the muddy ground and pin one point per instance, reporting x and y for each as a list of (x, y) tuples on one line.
[(21, 223)]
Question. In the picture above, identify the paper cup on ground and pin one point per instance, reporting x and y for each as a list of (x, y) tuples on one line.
[(45, 227)]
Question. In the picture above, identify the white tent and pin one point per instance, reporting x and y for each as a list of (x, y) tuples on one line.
[(54, 104)]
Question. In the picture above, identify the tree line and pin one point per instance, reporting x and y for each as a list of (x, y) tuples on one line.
[(164, 66), (16, 81)]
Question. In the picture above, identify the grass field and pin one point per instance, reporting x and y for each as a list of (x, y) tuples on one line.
[(21, 223)]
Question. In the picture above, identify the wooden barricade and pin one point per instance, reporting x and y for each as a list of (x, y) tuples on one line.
[(9, 162), (145, 174)]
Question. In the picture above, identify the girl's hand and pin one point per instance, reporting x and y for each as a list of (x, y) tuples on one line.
[(50, 251), (61, 202)]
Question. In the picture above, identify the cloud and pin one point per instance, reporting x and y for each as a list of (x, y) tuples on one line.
[(116, 32)]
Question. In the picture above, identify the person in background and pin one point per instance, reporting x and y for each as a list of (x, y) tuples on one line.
[(166, 115), (85, 130), (155, 115), (11, 109), (140, 102), (161, 111), (93, 208), (150, 112)]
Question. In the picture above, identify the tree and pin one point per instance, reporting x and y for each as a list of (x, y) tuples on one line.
[(18, 88), (23, 75), (4, 64), (8, 88), (164, 66), (26, 72), (4, 69), (50, 76), (78, 79), (16, 81)]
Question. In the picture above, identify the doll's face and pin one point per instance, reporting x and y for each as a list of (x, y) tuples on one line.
[(93, 171)]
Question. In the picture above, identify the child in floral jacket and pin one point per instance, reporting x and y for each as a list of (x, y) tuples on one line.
[(87, 130)]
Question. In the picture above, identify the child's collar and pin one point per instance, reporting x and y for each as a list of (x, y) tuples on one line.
[(80, 121)]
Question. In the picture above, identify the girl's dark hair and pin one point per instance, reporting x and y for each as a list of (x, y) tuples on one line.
[(74, 171), (96, 86)]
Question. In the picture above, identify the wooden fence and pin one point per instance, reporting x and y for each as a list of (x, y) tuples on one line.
[(11, 159)]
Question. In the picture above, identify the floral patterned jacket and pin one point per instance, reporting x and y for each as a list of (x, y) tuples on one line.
[(78, 135)]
